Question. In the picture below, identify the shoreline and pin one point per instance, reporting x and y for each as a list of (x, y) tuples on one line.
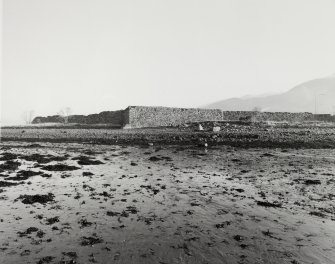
[(241, 137)]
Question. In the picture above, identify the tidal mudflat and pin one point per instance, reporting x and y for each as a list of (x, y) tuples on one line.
[(85, 203)]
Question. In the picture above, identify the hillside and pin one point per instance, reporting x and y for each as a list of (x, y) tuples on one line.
[(318, 93)]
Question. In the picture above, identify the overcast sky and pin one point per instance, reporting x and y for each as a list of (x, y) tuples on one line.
[(95, 55)]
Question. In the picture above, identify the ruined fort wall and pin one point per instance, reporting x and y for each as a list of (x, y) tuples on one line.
[(266, 116), (145, 116), (106, 117), (142, 116)]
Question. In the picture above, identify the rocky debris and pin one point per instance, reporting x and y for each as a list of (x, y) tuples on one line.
[(85, 160), (59, 167), (7, 184), (238, 238), (111, 213), (35, 145), (91, 241), (154, 158), (267, 155), (42, 159), (150, 188), (37, 198), (84, 223), (312, 182), (45, 260), (132, 209), (158, 158), (236, 134), (69, 257), (269, 204), (87, 173), (222, 225), (29, 231), (319, 214), (52, 220)]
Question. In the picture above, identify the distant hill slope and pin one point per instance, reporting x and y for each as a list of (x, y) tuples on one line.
[(299, 99)]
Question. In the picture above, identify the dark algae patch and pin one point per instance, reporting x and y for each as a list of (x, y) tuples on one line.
[(8, 156), (42, 159), (10, 165), (85, 160), (37, 198), (7, 184), (59, 167), (23, 175)]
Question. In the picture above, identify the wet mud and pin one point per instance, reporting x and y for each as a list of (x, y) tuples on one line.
[(74, 203)]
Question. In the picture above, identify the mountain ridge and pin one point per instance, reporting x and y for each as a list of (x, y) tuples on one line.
[(315, 96)]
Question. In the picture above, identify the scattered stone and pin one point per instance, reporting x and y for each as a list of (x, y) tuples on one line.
[(84, 223), (111, 213), (87, 173), (84, 160), (154, 158), (312, 182), (29, 231), (268, 204), (90, 241), (44, 260), (222, 225), (238, 238), (52, 220), (319, 214)]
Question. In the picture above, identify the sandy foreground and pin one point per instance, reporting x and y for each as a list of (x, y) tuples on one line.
[(86, 203)]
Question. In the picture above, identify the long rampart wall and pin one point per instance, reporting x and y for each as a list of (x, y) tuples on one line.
[(147, 116)]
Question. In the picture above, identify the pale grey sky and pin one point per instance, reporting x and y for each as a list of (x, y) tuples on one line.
[(95, 55)]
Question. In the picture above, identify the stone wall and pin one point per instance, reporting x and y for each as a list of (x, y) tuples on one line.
[(145, 116), (106, 117), (47, 119), (142, 116), (266, 116), (325, 117)]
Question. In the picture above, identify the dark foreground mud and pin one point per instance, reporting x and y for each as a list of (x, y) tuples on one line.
[(114, 204)]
